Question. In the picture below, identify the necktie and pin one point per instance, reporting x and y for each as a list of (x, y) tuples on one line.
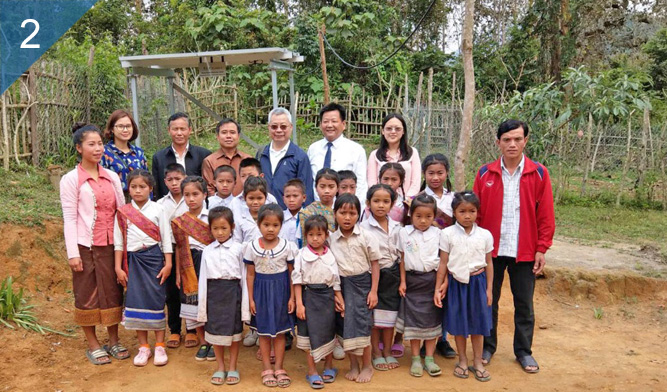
[(327, 157)]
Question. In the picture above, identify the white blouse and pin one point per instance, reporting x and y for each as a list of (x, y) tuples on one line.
[(271, 261), (420, 248), (467, 251), (387, 241), (136, 238), (311, 268)]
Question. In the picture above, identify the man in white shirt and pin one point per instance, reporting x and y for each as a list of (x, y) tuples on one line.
[(337, 152)]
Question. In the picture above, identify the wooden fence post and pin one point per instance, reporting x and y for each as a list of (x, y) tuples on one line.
[(5, 132), (34, 134)]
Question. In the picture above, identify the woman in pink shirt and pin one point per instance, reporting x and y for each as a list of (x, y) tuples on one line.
[(394, 148), (90, 195)]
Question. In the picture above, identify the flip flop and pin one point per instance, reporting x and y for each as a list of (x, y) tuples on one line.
[(397, 350), (95, 356), (220, 375), (380, 361), (174, 340), (191, 340), (331, 373), (479, 374), (486, 356), (284, 380), (463, 374), (528, 360), (116, 351), (234, 374), (268, 379), (315, 381)]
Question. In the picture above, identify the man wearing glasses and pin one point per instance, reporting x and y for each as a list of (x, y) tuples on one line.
[(229, 136), (283, 160)]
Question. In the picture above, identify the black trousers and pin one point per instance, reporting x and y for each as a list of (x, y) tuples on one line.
[(522, 284), (173, 304)]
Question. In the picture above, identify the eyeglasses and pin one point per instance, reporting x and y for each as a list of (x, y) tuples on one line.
[(393, 130), (283, 127), (122, 127)]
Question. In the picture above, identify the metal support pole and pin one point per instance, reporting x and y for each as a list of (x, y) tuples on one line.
[(135, 105), (170, 95), (292, 105), (274, 87)]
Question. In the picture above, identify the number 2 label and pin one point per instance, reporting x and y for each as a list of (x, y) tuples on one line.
[(25, 44)]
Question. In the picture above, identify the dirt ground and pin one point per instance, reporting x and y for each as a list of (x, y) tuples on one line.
[(624, 350)]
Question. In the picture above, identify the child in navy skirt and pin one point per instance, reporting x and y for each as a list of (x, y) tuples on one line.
[(270, 261), (466, 276)]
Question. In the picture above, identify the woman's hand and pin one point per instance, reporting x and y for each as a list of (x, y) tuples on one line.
[(121, 277), (164, 274), (76, 264)]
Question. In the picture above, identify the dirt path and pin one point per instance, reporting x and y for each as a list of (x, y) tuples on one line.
[(622, 351)]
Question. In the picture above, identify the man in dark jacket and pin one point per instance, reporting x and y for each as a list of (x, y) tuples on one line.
[(283, 160), (180, 151)]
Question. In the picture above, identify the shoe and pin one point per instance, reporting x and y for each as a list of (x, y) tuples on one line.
[(445, 349), (142, 357), (250, 339), (288, 341), (210, 356), (338, 352), (202, 353), (161, 358)]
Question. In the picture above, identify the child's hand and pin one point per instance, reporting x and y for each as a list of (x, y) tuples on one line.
[(340, 305), (178, 279), (291, 305), (401, 289), (164, 274), (76, 264), (437, 298), (489, 297), (253, 310), (121, 277), (372, 300), (301, 312)]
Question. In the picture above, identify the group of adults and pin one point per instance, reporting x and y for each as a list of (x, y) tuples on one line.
[(512, 189)]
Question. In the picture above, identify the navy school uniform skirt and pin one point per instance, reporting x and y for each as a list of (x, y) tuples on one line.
[(271, 293), (467, 312)]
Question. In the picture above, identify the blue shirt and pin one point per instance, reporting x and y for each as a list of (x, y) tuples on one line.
[(123, 163)]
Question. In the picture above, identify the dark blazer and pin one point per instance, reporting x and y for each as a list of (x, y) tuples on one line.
[(193, 160), (295, 164)]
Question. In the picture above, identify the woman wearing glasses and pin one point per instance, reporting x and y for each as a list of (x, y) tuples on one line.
[(120, 156), (394, 148)]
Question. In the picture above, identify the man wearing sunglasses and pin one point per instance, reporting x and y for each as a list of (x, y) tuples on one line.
[(283, 160)]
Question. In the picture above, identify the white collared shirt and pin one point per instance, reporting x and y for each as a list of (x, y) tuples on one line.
[(276, 156), (239, 206), (467, 251), (217, 201), (345, 155), (171, 207), (509, 225), (136, 238), (288, 230), (420, 248), (180, 159), (223, 260), (311, 268), (270, 261), (386, 241), (354, 253), (245, 228), (444, 203)]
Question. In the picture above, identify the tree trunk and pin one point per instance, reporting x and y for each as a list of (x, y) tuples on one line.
[(469, 97), (323, 64)]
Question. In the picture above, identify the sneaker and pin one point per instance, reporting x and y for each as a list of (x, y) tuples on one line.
[(202, 353), (250, 339), (160, 356), (210, 356), (338, 352), (445, 349), (142, 357)]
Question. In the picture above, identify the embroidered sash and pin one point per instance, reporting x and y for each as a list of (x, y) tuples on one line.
[(127, 212), (183, 227)]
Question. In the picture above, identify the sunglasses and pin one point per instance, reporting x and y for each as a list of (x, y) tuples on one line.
[(283, 127)]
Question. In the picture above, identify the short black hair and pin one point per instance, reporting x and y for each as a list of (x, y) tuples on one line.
[(316, 222), (331, 107), (141, 173), (465, 197), (347, 175), (250, 162), (224, 169), (174, 167), (347, 198), (423, 200), (295, 182), (178, 115), (327, 174), (220, 212), (228, 121), (510, 125), (271, 209), (371, 191), (255, 183)]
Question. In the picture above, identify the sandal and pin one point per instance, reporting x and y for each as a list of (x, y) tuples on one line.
[(479, 374), (391, 361), (233, 377), (284, 380), (416, 369), (460, 374), (268, 379), (118, 351), (174, 340), (220, 376), (528, 360), (378, 362), (191, 340), (95, 356), (431, 367), (397, 350), (331, 374), (315, 381)]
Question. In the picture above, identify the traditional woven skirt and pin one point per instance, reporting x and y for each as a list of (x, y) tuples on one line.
[(271, 294), (384, 314), (145, 297), (189, 311), (98, 298), (223, 308), (355, 327), (418, 317), (467, 312), (317, 333)]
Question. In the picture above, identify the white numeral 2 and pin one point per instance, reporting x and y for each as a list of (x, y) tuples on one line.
[(26, 45)]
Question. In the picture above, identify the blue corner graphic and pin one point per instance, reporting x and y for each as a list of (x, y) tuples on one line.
[(29, 27)]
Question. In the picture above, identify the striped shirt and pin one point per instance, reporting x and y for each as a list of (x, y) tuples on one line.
[(509, 226)]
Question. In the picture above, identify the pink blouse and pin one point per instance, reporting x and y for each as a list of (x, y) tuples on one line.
[(105, 206), (412, 171)]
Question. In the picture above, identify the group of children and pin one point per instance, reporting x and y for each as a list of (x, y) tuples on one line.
[(363, 276)]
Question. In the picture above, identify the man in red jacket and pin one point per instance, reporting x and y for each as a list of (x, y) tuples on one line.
[(517, 208)]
